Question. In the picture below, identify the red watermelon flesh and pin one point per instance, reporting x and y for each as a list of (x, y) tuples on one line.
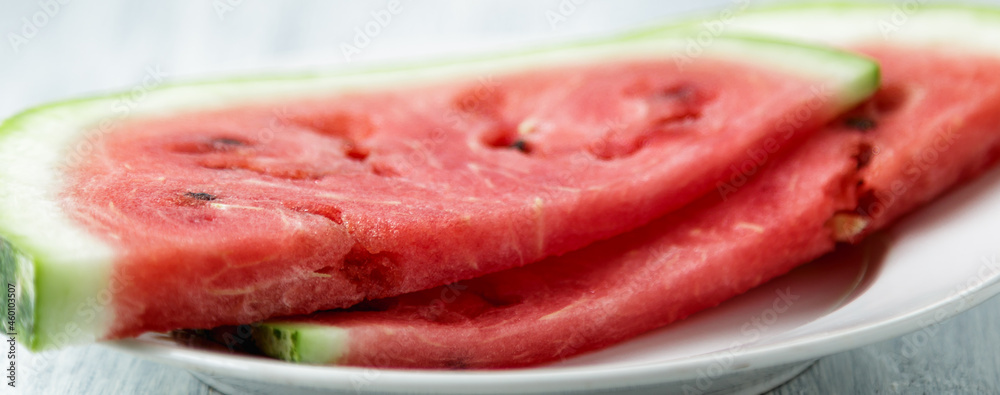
[(934, 123), (234, 216), (605, 293), (922, 134)]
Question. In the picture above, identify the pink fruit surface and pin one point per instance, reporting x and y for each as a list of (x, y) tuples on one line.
[(238, 215)]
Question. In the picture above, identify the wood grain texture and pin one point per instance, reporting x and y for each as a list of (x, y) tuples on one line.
[(98, 370), (958, 356)]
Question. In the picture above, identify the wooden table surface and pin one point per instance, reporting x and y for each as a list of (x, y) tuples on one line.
[(85, 47)]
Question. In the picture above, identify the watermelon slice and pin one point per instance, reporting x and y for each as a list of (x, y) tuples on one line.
[(707, 253), (602, 294), (929, 131), (233, 202)]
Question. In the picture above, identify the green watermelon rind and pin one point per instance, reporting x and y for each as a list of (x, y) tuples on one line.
[(64, 274), (305, 343), (986, 20)]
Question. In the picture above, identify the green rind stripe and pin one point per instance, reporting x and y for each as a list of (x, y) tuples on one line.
[(16, 268), (302, 342)]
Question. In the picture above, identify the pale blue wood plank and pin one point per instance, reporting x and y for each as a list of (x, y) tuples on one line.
[(962, 355)]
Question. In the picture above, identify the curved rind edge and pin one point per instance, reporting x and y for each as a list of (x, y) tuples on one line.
[(857, 82), (968, 27)]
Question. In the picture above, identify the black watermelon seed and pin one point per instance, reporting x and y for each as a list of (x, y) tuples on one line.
[(865, 154), (201, 196), (519, 145), (227, 141), (683, 93), (860, 124)]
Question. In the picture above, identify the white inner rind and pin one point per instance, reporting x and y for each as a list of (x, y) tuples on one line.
[(72, 268), (76, 265), (910, 24)]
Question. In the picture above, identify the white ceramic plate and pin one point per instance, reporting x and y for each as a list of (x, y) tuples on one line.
[(939, 262)]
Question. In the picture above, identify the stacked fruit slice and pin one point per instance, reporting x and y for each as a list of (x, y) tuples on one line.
[(919, 135), (580, 195)]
